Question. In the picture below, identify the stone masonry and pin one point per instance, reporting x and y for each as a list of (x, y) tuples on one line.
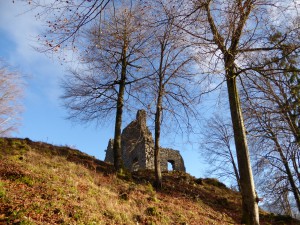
[(138, 148)]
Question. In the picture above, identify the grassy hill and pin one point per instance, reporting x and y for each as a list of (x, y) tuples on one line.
[(45, 184)]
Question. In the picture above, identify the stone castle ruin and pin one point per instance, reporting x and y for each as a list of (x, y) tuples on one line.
[(138, 148)]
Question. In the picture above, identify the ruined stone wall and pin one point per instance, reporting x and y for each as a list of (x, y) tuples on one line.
[(136, 144), (138, 148), (109, 155), (173, 157)]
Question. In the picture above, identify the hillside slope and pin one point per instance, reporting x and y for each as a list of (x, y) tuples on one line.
[(45, 184)]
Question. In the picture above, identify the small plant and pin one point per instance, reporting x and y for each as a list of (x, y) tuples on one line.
[(2, 190), (17, 215), (152, 211), (199, 181), (77, 214), (152, 193)]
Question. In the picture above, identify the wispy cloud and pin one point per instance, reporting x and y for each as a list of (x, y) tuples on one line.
[(19, 25)]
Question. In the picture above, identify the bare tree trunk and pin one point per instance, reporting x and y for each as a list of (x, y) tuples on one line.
[(296, 132), (286, 203), (117, 148), (296, 165), (291, 180), (158, 176), (288, 171), (118, 126), (235, 169), (250, 214), (249, 203)]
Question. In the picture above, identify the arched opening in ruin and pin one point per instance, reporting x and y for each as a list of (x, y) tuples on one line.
[(171, 165)]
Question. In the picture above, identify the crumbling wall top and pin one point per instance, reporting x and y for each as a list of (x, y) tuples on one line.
[(141, 117)]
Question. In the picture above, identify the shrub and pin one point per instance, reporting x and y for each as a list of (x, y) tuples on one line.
[(214, 182)]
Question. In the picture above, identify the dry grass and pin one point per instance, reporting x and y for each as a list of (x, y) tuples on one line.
[(44, 184)]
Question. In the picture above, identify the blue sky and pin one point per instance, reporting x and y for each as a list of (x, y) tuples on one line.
[(44, 117)]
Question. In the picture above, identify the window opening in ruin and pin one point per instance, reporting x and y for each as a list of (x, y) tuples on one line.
[(171, 165)]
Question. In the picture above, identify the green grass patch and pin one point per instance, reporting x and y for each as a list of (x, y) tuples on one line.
[(2, 190), (26, 180)]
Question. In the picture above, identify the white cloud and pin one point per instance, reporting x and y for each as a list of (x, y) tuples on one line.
[(22, 29), (284, 11), (20, 25)]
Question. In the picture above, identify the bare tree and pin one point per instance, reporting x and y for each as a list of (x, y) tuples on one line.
[(271, 105), (226, 36), (171, 84), (278, 148), (273, 168), (11, 86), (217, 146), (112, 63)]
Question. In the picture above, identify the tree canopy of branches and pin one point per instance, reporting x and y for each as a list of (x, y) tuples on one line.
[(66, 21), (111, 67), (271, 103), (11, 93)]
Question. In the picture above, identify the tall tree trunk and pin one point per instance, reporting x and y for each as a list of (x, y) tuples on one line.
[(296, 166), (158, 176), (118, 164), (249, 199), (117, 148), (287, 170), (235, 169), (286, 203)]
